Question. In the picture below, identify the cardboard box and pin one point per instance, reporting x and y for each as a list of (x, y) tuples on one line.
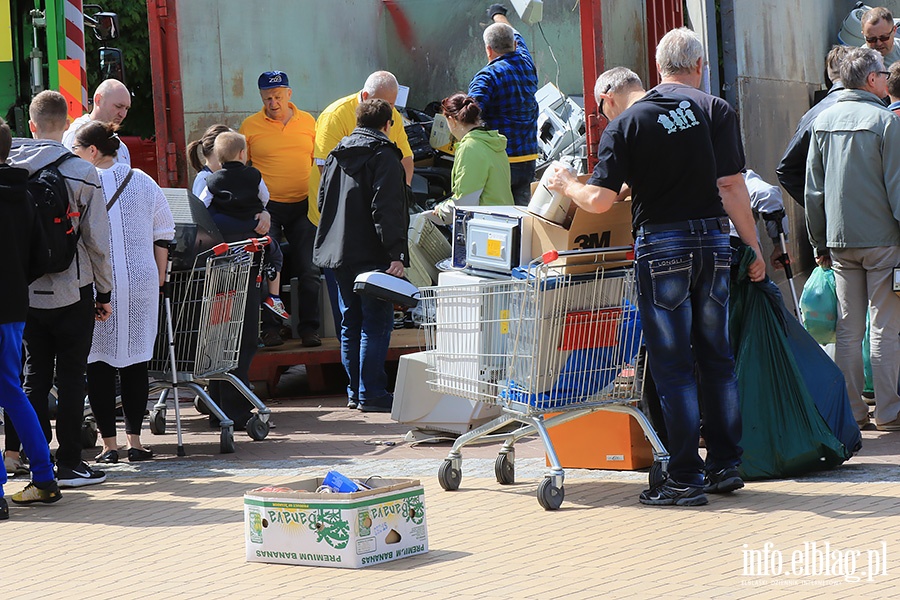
[(298, 526), (586, 231), (602, 440)]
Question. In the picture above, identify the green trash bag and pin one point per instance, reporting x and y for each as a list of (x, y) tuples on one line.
[(783, 433), (818, 303), (869, 387)]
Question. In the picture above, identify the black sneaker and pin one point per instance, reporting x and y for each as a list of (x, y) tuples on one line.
[(79, 476), (673, 493), (723, 481), (4, 509)]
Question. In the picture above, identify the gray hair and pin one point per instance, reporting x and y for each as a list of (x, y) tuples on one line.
[(833, 61), (617, 80), (678, 52), (873, 15), (857, 65), (380, 81), (500, 37)]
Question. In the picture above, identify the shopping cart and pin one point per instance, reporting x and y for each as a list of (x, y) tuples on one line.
[(201, 341), (550, 346)]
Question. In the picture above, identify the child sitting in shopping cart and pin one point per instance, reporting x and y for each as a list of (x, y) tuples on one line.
[(236, 197)]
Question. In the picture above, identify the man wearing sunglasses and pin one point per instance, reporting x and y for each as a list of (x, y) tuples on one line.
[(879, 30)]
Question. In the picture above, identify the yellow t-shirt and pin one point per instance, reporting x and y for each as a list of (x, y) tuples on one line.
[(337, 121), (282, 153)]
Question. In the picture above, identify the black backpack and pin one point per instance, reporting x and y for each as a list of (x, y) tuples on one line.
[(47, 188)]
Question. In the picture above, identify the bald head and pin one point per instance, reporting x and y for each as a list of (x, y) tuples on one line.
[(112, 100), (382, 85)]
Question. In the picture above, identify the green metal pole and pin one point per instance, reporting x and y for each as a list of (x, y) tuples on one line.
[(56, 40)]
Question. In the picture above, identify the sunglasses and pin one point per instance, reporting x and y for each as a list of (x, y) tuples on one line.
[(881, 38), (600, 109)]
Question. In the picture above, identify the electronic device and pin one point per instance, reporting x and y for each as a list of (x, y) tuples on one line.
[(195, 230), (530, 11), (417, 405), (492, 239)]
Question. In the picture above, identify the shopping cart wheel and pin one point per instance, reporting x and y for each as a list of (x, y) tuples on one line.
[(257, 429), (505, 470), (157, 422), (89, 433), (448, 477), (226, 440), (549, 496), (658, 473), (201, 406)]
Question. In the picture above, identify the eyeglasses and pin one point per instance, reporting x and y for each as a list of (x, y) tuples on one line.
[(885, 73), (600, 109), (881, 38)]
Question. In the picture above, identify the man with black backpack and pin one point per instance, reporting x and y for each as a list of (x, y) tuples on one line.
[(62, 303)]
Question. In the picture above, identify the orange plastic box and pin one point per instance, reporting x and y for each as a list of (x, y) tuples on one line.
[(602, 440)]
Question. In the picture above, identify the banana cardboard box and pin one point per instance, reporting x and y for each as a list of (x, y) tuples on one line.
[(296, 525)]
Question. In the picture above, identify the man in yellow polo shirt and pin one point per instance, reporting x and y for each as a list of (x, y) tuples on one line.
[(280, 141), (337, 121)]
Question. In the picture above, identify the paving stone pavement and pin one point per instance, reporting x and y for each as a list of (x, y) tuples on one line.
[(173, 527)]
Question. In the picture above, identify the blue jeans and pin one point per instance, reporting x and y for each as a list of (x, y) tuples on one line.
[(521, 174), (683, 288), (366, 326), (17, 407)]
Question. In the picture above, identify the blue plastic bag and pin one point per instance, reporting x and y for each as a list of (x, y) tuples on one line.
[(818, 304)]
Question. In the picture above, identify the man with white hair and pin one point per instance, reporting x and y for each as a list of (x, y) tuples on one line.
[(112, 101), (504, 90), (682, 261), (338, 120), (853, 220)]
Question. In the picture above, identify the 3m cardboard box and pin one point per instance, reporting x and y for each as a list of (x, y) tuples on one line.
[(298, 526), (586, 231), (602, 440)]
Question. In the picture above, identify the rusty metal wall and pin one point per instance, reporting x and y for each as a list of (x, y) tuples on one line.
[(328, 49)]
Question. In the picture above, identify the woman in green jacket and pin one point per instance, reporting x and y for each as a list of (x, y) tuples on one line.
[(480, 175)]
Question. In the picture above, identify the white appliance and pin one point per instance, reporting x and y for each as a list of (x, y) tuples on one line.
[(472, 342), (492, 239), (530, 11), (415, 404), (561, 126), (553, 206)]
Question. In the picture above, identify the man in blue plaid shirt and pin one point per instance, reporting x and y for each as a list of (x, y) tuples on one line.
[(504, 89)]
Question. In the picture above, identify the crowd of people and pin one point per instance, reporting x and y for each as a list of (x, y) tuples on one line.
[(336, 189), (281, 173)]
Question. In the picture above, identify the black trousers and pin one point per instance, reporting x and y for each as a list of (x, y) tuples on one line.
[(292, 220), (60, 338), (134, 390)]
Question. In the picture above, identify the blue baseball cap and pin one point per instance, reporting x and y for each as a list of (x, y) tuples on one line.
[(273, 79)]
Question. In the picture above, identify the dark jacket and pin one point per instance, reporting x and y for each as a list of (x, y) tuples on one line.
[(791, 170), (363, 202), (235, 191), (23, 242)]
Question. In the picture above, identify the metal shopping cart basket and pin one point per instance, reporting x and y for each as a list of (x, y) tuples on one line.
[(201, 321), (562, 340)]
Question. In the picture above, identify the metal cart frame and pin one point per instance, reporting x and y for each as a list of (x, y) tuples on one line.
[(563, 339), (201, 341)]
